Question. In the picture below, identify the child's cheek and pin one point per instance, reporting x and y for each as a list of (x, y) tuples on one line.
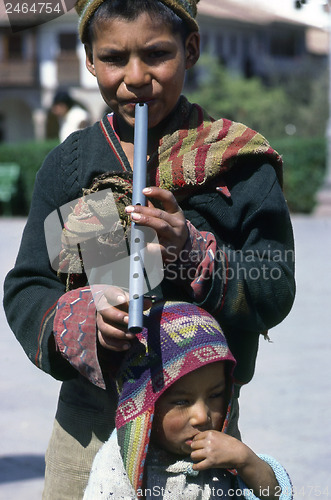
[(173, 426)]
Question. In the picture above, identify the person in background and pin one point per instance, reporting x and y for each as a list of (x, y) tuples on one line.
[(70, 114)]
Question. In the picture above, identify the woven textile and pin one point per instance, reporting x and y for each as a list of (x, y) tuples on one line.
[(100, 221), (197, 149), (177, 339)]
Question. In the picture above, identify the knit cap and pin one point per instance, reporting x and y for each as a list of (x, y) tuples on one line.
[(185, 9), (177, 339)]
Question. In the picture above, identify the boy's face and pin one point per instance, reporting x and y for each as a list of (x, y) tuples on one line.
[(195, 403), (140, 61), (60, 109)]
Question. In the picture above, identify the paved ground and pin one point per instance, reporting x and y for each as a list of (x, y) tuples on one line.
[(285, 410)]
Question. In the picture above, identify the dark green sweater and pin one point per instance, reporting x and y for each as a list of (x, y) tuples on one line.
[(254, 270)]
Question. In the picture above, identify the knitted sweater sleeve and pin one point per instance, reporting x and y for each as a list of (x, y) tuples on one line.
[(284, 488), (251, 285), (32, 288)]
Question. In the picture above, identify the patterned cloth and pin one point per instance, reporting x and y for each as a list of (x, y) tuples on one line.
[(76, 311), (97, 219), (198, 149), (177, 338)]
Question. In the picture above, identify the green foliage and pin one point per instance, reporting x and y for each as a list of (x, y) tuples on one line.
[(312, 116), (300, 101), (307, 100), (304, 170), (29, 156), (243, 100)]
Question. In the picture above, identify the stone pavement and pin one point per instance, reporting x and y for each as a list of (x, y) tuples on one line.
[(285, 410)]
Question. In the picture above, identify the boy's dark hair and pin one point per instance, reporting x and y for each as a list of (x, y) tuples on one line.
[(131, 9), (63, 97)]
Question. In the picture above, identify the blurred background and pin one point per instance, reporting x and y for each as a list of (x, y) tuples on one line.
[(265, 63)]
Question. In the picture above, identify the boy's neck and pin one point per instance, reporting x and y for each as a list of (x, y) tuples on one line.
[(124, 131), (126, 135)]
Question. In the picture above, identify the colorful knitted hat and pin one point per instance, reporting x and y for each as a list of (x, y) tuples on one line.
[(177, 339), (185, 9)]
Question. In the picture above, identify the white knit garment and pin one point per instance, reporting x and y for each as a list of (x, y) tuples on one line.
[(169, 481)]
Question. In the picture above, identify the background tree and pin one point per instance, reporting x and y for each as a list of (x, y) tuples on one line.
[(297, 105)]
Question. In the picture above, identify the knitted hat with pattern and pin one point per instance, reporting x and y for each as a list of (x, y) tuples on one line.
[(185, 9), (177, 339)]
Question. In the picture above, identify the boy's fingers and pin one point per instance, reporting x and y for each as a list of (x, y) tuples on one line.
[(112, 325), (168, 200), (116, 297), (145, 215), (109, 297), (113, 315), (150, 204), (113, 336), (113, 344)]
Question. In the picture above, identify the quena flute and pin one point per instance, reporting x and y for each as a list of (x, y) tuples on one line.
[(136, 282)]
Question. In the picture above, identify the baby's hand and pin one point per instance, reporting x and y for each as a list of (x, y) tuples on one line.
[(169, 223), (214, 449)]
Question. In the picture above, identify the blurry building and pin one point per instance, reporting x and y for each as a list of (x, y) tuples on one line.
[(35, 62), (254, 41)]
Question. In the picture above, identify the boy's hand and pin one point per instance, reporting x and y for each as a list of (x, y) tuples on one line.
[(112, 321), (169, 223), (211, 449)]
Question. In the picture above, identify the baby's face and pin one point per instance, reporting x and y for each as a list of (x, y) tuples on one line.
[(195, 403), (140, 61)]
